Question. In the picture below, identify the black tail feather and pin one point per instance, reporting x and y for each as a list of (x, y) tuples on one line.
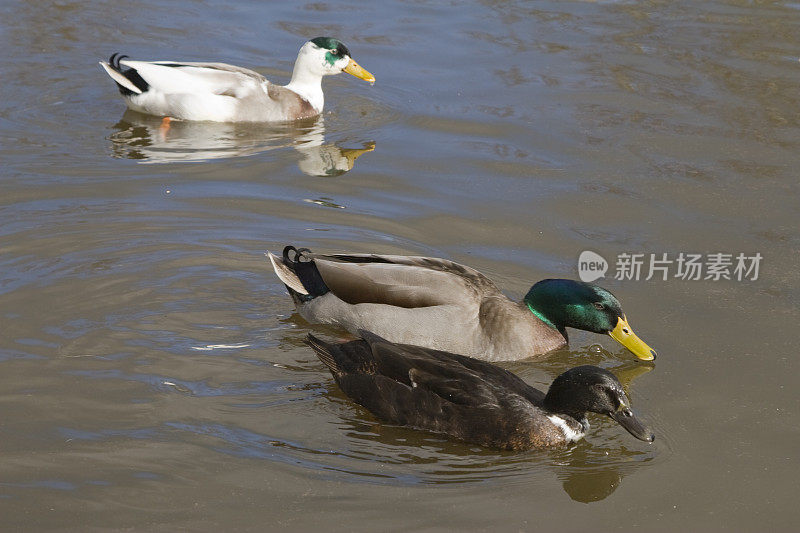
[(305, 269), (129, 73), (114, 60)]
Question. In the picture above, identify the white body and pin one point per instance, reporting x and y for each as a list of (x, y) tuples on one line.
[(227, 93)]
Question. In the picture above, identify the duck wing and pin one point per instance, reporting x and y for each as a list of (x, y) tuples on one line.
[(421, 301), (429, 389), (171, 77), (443, 373), (401, 281), (454, 378)]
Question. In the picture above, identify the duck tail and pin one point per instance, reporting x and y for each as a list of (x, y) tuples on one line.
[(345, 358), (128, 80), (324, 351), (299, 273)]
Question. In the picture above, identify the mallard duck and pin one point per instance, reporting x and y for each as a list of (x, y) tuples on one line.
[(439, 304), (472, 400), (227, 93)]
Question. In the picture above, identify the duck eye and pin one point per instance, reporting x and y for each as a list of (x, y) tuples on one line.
[(598, 306)]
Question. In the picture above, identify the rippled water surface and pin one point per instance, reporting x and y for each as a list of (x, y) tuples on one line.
[(153, 374)]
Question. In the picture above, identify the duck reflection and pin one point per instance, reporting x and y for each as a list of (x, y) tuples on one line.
[(329, 159), (590, 473), (590, 486), (153, 140)]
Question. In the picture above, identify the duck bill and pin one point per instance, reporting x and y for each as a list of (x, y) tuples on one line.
[(354, 153), (625, 418), (624, 335), (356, 70)]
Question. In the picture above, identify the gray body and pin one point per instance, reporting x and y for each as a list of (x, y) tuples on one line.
[(423, 301)]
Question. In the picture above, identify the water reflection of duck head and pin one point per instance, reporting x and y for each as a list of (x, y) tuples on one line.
[(329, 159)]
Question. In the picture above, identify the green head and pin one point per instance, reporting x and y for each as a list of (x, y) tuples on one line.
[(335, 49), (565, 303), (326, 55)]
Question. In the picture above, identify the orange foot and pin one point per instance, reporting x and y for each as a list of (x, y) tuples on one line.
[(164, 128)]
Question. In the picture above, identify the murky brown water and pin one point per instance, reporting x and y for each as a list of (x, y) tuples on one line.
[(153, 375)]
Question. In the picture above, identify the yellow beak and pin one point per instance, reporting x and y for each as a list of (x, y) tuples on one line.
[(624, 335), (354, 153), (356, 70)]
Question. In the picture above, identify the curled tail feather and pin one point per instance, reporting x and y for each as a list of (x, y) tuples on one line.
[(128, 80), (286, 275), (297, 270)]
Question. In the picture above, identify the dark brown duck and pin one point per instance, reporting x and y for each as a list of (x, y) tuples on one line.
[(472, 400)]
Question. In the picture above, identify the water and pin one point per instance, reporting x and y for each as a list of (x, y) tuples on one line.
[(153, 374)]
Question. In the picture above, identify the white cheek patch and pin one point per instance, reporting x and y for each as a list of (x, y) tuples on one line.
[(569, 434)]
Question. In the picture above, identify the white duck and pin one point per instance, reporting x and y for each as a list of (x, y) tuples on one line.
[(227, 93)]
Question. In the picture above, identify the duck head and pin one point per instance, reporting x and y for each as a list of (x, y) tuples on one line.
[(565, 303), (593, 389), (324, 56)]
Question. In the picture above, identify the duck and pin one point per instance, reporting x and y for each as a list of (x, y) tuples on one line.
[(226, 93), (471, 400), (443, 305)]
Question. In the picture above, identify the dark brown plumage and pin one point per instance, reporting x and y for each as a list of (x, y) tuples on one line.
[(471, 400)]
